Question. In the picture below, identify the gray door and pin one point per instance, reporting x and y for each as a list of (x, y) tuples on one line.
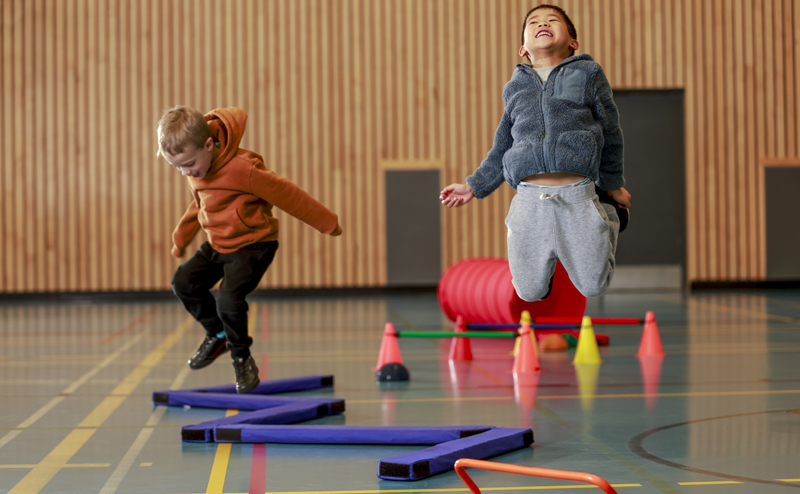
[(652, 251), (783, 223), (413, 228)]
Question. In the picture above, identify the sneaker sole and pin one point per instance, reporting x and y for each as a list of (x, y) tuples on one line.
[(249, 388), (209, 360)]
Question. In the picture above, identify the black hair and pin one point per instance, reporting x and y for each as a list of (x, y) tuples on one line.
[(570, 26)]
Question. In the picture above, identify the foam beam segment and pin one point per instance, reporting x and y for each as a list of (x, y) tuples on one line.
[(342, 434), (441, 458), (298, 411), (265, 388), (227, 401)]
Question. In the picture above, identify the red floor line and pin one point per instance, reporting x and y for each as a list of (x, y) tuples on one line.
[(264, 321), (139, 320), (258, 470), (263, 367)]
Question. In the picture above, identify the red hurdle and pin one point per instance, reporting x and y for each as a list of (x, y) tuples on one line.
[(532, 471)]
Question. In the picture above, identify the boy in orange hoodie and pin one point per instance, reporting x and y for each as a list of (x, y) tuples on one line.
[(233, 197)]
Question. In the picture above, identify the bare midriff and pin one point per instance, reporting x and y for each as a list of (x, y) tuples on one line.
[(553, 179)]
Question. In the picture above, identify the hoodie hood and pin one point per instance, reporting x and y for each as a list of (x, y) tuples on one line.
[(227, 128)]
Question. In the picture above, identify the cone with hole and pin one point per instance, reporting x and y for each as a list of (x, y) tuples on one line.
[(459, 347), (587, 352), (650, 345), (526, 360)]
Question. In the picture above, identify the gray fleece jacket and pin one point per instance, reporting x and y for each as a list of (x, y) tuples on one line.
[(567, 124)]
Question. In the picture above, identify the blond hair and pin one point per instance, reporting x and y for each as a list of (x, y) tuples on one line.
[(179, 128)]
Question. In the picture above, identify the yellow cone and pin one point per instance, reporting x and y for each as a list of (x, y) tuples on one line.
[(587, 352)]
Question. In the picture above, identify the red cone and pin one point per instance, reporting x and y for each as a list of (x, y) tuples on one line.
[(651, 377), (459, 347), (650, 345), (390, 350)]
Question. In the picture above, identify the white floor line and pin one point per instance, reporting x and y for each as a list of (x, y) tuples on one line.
[(69, 390), (127, 461)]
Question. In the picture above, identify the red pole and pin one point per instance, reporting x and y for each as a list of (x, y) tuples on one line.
[(595, 320)]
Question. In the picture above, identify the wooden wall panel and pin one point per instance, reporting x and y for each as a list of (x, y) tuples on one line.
[(334, 87)]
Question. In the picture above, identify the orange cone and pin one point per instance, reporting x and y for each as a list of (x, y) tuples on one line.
[(459, 347), (650, 345), (526, 360), (390, 350)]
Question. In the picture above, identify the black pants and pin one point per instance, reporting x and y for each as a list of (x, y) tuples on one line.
[(240, 272)]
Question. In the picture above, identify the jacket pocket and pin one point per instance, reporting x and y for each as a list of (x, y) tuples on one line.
[(570, 85), (243, 222), (576, 151), (517, 154)]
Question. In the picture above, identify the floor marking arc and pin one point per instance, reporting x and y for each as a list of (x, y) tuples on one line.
[(635, 445)]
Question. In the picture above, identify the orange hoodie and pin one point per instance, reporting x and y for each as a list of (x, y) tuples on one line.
[(233, 201)]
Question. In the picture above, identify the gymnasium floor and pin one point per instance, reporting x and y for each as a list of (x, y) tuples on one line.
[(724, 417)]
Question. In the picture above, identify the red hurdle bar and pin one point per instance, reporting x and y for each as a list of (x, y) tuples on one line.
[(532, 471)]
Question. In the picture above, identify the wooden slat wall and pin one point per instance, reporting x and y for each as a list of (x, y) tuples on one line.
[(333, 87)]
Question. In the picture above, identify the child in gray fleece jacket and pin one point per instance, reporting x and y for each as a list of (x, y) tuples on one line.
[(559, 145)]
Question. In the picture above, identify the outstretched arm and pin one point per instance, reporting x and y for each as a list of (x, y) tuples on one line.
[(289, 197), (489, 174)]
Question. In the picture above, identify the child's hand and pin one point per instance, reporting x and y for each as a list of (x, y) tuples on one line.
[(337, 231), (456, 195), (176, 252), (622, 196)]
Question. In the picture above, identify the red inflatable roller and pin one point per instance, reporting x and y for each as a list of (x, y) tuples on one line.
[(480, 290)]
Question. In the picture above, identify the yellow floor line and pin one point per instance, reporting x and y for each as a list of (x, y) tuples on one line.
[(575, 397), (725, 309), (42, 473), (216, 481), (454, 489), (788, 480), (718, 482), (67, 391), (219, 469), (124, 466)]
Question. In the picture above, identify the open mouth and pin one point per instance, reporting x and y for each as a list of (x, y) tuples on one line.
[(543, 33)]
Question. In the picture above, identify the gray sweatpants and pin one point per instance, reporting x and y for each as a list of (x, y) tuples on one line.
[(567, 224)]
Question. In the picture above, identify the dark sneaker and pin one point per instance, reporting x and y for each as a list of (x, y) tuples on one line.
[(246, 374), (211, 348), (622, 213)]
